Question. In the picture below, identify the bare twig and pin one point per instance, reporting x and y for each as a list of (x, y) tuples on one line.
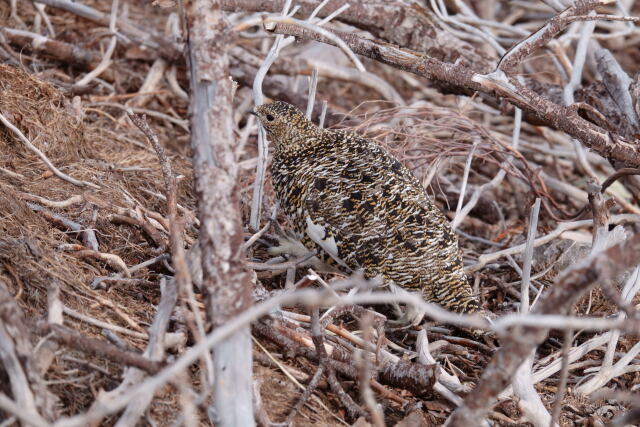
[(154, 352), (364, 360), (564, 374), (27, 415), (561, 296), (316, 334), (529, 400), (561, 228), (14, 347), (106, 59), (617, 175), (313, 84), (311, 387), (528, 257), (258, 185), (95, 347), (88, 235), (463, 187), (541, 37), (164, 47), (113, 260), (463, 78), (53, 203), (271, 22)]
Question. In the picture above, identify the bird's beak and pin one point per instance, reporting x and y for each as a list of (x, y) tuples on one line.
[(254, 113)]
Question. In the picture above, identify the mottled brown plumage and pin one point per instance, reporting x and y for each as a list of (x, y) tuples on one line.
[(360, 208)]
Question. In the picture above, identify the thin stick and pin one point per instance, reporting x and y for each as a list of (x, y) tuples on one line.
[(308, 391), (564, 374), (316, 335), (332, 15), (323, 114), (255, 237), (100, 324), (154, 352), (561, 228), (270, 25), (465, 178), (574, 82), (529, 400), (106, 59), (53, 203), (318, 9), (542, 36), (313, 83), (475, 197), (288, 374), (95, 347), (528, 257), (28, 415), (261, 168), (364, 360)]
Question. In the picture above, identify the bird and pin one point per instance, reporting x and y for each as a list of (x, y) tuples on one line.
[(361, 209)]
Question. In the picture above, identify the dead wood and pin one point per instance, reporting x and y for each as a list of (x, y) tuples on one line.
[(94, 347), (224, 280), (463, 79), (414, 27), (519, 343)]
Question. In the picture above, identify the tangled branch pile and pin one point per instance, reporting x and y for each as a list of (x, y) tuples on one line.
[(138, 276)]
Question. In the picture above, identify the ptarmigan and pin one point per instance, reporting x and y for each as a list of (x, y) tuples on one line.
[(360, 208)]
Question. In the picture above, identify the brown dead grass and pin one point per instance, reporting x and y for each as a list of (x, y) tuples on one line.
[(30, 258)]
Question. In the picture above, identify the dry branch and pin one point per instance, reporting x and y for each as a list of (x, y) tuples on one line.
[(412, 26), (16, 355), (418, 379), (559, 299), (226, 283), (95, 347), (465, 80), (154, 41), (155, 351), (55, 49), (541, 37)]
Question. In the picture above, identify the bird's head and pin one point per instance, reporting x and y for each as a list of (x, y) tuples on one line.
[(286, 125)]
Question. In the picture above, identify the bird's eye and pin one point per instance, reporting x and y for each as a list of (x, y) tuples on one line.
[(270, 118)]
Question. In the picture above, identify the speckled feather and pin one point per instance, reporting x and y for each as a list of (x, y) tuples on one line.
[(360, 208)]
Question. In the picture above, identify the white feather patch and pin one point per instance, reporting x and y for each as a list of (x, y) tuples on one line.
[(317, 233)]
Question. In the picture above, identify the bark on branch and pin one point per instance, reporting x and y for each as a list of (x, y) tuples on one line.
[(462, 79), (412, 26), (225, 282)]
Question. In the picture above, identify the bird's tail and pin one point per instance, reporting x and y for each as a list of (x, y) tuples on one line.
[(457, 297)]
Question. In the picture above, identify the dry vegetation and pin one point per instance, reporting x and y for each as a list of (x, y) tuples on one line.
[(542, 143)]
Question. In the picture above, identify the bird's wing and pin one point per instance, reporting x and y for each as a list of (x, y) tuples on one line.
[(320, 233), (344, 220)]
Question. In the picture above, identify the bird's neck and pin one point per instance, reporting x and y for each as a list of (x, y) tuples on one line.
[(297, 144)]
